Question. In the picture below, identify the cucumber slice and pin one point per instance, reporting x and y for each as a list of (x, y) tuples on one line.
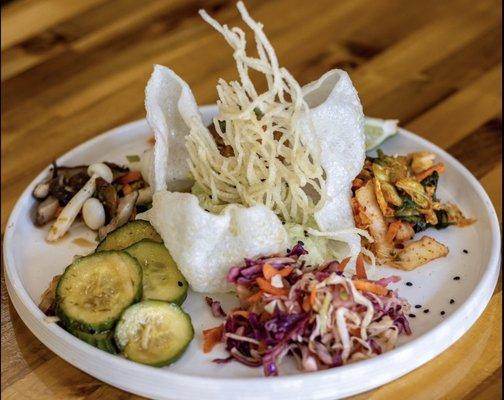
[(95, 290), (161, 278), (154, 332), (103, 340), (128, 234)]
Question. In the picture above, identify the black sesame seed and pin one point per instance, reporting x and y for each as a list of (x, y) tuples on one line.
[(283, 222), (452, 301), (409, 284), (180, 284), (426, 311), (288, 250), (412, 315), (442, 313), (418, 306), (465, 251), (301, 242), (457, 278), (305, 233)]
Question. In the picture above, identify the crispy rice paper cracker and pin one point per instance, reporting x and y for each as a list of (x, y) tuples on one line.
[(335, 129), (170, 105), (203, 245), (206, 245)]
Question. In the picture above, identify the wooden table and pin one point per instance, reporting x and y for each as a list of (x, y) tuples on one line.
[(73, 69)]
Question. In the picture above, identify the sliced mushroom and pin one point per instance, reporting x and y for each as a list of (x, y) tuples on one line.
[(107, 194), (41, 191), (117, 170), (63, 183), (68, 172), (46, 211), (68, 214), (58, 189), (125, 208), (77, 181)]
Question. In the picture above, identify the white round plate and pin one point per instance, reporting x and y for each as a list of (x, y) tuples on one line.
[(30, 263)]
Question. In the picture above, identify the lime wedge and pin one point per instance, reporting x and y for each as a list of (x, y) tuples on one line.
[(377, 130)]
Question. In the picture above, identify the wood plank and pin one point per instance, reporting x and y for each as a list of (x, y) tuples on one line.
[(489, 389), (483, 144), (421, 49), (25, 18), (432, 85), (54, 379), (81, 70), (85, 30), (492, 182), (461, 114)]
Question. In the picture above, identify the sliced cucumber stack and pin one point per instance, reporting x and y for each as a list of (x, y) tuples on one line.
[(128, 234), (103, 340), (161, 278), (94, 290), (154, 332)]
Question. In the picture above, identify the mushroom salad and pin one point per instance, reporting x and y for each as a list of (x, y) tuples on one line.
[(105, 195)]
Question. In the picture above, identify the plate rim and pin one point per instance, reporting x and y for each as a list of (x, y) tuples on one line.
[(33, 318)]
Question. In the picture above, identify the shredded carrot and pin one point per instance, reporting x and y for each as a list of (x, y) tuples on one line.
[(211, 337), (241, 313), (313, 296), (393, 228), (284, 272), (354, 331), (255, 297), (152, 140), (270, 271), (131, 176), (127, 189), (359, 267), (370, 287), (439, 168), (343, 264), (306, 304), (269, 288)]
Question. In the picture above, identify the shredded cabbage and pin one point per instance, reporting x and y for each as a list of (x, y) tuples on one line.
[(319, 316)]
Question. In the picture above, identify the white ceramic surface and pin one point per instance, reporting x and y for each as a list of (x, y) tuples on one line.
[(29, 269)]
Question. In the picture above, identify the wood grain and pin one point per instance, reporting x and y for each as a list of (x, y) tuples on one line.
[(72, 70)]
